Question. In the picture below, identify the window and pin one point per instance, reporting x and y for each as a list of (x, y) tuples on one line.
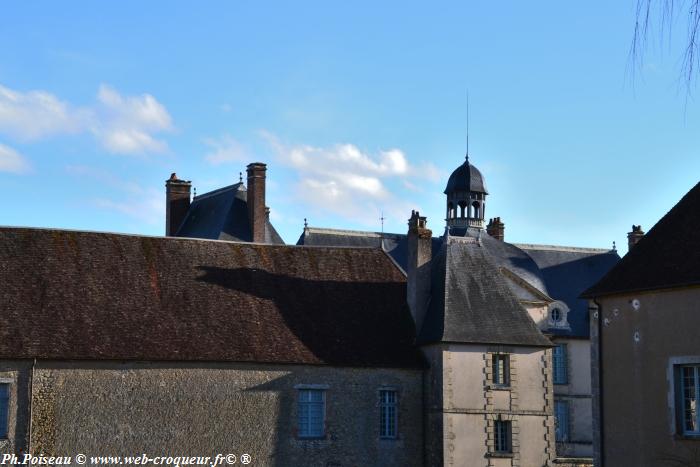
[(560, 365), (4, 408), (312, 413), (388, 399), (561, 420), (689, 394), (556, 315), (501, 369), (502, 436)]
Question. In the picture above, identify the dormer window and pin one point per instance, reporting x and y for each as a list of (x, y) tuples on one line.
[(557, 315)]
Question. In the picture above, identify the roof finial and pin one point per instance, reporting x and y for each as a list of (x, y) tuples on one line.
[(382, 219), (240, 177), (195, 192), (306, 224), (614, 247)]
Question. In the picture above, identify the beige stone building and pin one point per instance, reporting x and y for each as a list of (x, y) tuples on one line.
[(644, 327)]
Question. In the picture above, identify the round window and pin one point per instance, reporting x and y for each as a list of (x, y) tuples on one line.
[(556, 315)]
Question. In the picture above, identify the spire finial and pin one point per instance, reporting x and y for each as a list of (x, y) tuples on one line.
[(195, 192), (382, 219), (467, 156), (240, 177)]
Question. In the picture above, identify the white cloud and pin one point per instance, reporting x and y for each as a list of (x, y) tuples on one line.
[(37, 114), (226, 149), (348, 182), (12, 161), (122, 124), (125, 124)]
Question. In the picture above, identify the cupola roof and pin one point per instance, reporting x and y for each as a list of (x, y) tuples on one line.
[(466, 177)]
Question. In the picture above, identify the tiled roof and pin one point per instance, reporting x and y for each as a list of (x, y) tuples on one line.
[(86, 295), (471, 302), (223, 215), (568, 271), (667, 256)]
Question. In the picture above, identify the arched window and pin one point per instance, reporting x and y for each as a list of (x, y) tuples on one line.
[(477, 210), (462, 208), (450, 211)]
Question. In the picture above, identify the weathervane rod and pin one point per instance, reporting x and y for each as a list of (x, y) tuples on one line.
[(467, 123)]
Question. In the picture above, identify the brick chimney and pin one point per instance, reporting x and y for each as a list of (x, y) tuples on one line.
[(496, 228), (418, 270), (177, 203), (634, 236), (257, 216)]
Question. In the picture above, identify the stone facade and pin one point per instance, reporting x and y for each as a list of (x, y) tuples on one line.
[(643, 337), (111, 408), (464, 405)]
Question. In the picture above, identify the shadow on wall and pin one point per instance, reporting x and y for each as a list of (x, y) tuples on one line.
[(343, 323)]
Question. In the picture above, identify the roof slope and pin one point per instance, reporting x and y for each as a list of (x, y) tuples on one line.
[(471, 302), (223, 215), (83, 295), (396, 245), (567, 272), (667, 256)]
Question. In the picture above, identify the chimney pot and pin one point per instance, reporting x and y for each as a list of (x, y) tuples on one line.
[(420, 242), (177, 203), (257, 216), (634, 236), (496, 229)]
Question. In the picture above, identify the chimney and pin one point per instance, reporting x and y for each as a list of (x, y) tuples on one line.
[(496, 228), (257, 216), (177, 203), (634, 236), (419, 256)]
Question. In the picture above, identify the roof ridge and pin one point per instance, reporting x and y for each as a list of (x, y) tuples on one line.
[(357, 233), (217, 191), (572, 249)]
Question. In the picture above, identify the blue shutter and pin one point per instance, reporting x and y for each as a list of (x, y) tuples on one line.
[(4, 409)]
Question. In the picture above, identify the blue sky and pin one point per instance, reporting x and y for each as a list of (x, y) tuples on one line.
[(356, 107)]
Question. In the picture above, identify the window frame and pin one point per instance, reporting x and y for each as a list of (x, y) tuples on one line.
[(388, 420), (558, 435), (496, 360), (506, 437), (680, 380), (560, 367), (305, 406), (5, 386)]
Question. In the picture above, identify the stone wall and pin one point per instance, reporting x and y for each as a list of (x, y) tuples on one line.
[(202, 409)]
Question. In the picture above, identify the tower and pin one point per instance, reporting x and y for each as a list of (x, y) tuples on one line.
[(466, 199)]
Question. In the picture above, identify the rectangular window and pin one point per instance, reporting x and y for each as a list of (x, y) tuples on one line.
[(561, 420), (388, 401), (690, 394), (502, 436), (312, 413), (560, 365), (4, 408), (501, 369)]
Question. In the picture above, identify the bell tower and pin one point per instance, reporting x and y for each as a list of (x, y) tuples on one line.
[(466, 198)]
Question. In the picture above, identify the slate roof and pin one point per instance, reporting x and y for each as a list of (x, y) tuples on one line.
[(86, 295), (466, 177), (396, 245), (503, 254), (223, 215), (472, 303), (667, 256), (568, 271)]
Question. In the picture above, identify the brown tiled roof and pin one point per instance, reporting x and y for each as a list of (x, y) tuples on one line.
[(84, 295), (667, 256)]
